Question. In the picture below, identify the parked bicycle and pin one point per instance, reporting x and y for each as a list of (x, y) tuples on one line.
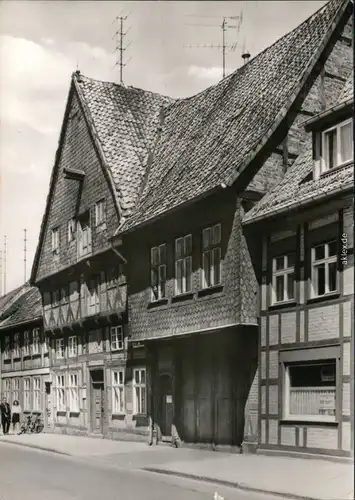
[(32, 424)]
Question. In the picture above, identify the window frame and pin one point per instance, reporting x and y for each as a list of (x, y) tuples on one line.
[(36, 342), (327, 260), (71, 230), (160, 268), (7, 390), (72, 346), (55, 240), (324, 157), (36, 394), (16, 389), (27, 394), (26, 348), (60, 389), (115, 331), (211, 249), (309, 356), (62, 348), (183, 257), (100, 214), (16, 350), (118, 388), (284, 272), (7, 347), (93, 296), (73, 392), (142, 389)]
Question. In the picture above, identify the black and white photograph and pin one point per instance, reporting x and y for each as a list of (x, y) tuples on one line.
[(176, 250)]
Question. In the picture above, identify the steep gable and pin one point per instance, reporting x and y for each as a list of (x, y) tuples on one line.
[(211, 138), (25, 308)]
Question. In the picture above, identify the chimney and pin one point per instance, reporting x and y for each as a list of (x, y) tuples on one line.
[(246, 57)]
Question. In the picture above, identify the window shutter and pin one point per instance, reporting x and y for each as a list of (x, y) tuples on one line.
[(216, 237)]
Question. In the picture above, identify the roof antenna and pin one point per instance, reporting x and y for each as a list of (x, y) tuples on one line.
[(120, 49)]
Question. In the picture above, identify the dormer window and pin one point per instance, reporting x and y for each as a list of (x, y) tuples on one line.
[(337, 145)]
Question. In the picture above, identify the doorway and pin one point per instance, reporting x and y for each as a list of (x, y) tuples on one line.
[(166, 405), (97, 400)]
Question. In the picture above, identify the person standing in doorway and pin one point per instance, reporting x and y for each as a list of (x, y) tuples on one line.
[(5, 416), (16, 412)]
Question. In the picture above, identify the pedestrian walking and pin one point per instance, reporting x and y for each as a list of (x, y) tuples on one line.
[(16, 412), (5, 416)]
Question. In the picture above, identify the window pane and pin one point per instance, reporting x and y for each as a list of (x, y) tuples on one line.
[(332, 270), (187, 245), (291, 260), (332, 248), (280, 263), (162, 254), (216, 236), (154, 256), (206, 237), (188, 274), (279, 288), (216, 266), (320, 273), (331, 148), (142, 376), (179, 248), (143, 400), (346, 142), (290, 286), (319, 252), (162, 276), (136, 376), (179, 273), (206, 258)]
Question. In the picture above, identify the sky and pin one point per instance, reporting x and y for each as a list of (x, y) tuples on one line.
[(43, 42)]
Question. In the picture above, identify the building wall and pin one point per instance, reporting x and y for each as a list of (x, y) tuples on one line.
[(71, 198), (305, 324), (219, 306), (95, 354)]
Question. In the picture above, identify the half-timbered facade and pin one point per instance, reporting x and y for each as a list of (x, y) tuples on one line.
[(25, 354), (192, 286), (306, 347), (80, 274)]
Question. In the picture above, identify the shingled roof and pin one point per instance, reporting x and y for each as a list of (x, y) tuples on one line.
[(25, 308), (208, 139), (7, 300), (125, 121), (298, 188)]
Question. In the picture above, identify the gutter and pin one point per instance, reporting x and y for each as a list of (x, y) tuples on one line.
[(324, 114), (299, 204)]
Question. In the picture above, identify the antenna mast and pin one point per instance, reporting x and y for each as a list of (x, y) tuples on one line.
[(4, 265), (224, 26), (25, 253), (120, 49)]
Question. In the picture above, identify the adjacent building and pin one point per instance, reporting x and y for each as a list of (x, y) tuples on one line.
[(306, 228), (25, 353)]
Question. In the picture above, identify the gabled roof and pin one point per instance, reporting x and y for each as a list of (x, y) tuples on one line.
[(25, 309), (122, 122), (296, 190), (209, 139), (7, 300)]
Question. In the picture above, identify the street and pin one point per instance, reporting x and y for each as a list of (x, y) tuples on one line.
[(33, 475)]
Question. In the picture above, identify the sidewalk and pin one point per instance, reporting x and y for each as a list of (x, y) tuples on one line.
[(287, 477)]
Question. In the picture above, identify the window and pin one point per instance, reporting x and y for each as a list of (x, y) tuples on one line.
[(118, 391), (59, 348), (26, 343), (60, 388), (211, 256), (84, 234), (71, 230), (45, 341), (283, 278), (7, 347), (72, 346), (35, 341), (36, 394), (16, 350), (93, 297), (55, 298), (7, 390), (310, 390), (27, 394), (139, 391), (337, 143), (158, 271), (64, 295), (73, 392), (55, 241), (100, 215), (116, 338), (324, 268), (16, 390), (183, 264)]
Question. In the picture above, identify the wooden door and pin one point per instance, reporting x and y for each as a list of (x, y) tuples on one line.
[(166, 404), (97, 401)]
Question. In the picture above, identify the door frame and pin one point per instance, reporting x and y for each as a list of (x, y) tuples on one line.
[(99, 368)]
